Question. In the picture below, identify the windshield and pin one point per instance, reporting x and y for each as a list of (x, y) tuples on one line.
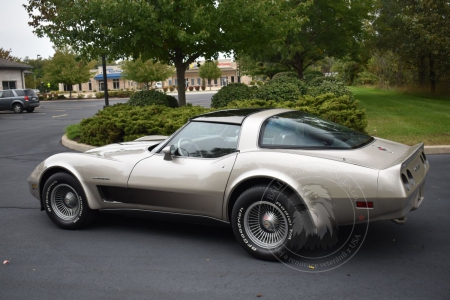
[(298, 129)]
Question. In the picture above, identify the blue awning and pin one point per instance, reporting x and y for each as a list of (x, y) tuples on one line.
[(109, 76)]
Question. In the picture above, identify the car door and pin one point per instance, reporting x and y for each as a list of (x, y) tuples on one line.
[(5, 100), (192, 180)]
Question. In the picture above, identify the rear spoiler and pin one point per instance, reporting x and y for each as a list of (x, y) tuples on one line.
[(406, 156)]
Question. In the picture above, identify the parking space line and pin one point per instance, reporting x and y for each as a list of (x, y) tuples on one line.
[(59, 116)]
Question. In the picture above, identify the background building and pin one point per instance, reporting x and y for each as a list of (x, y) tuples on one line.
[(12, 74), (230, 74)]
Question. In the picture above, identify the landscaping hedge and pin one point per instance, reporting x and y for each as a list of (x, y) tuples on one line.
[(231, 92), (152, 97)]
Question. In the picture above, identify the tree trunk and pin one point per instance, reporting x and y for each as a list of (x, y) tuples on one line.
[(432, 73), (422, 68), (209, 83), (181, 71)]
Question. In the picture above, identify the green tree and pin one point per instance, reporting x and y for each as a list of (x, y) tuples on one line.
[(416, 31), (332, 28), (64, 68), (252, 67), (175, 32), (209, 70), (146, 72), (6, 54)]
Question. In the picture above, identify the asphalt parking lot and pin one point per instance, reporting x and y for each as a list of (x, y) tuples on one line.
[(131, 258)]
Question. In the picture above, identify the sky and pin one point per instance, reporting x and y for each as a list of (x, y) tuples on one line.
[(17, 35)]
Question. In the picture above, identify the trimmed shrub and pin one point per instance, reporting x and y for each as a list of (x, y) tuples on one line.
[(341, 110), (320, 86), (152, 97), (231, 92), (100, 95), (308, 76), (279, 91), (285, 74), (122, 122), (59, 97), (73, 131), (80, 96)]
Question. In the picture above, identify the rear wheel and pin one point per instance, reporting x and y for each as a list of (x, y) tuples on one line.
[(30, 109), (17, 108), (262, 225), (65, 202)]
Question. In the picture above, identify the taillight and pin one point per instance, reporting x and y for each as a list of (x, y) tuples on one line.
[(364, 204), (26, 98)]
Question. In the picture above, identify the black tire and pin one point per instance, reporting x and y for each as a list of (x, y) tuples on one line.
[(30, 109), (65, 202), (254, 207), (17, 108)]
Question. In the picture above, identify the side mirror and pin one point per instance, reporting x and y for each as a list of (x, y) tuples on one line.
[(168, 152)]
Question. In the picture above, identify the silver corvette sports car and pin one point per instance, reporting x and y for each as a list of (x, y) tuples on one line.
[(281, 178)]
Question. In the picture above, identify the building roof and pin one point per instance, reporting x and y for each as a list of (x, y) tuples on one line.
[(9, 64)]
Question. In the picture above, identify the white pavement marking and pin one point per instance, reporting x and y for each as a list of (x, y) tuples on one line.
[(59, 116)]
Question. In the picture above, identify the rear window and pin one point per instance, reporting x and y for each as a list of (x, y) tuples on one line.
[(301, 130), (25, 93)]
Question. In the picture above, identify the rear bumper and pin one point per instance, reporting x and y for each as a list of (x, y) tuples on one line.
[(397, 208), (31, 104)]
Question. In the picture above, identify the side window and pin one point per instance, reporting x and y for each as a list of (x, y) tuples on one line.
[(20, 92), (6, 94), (206, 140)]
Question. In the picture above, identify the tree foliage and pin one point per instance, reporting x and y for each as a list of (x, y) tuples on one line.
[(64, 68), (210, 70), (416, 32), (317, 29), (176, 32), (146, 72), (6, 54)]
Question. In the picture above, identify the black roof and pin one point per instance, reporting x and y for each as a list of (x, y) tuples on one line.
[(233, 116), (9, 64)]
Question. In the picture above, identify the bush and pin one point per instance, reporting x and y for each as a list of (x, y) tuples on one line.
[(73, 131), (100, 95), (152, 97), (80, 96), (308, 76), (285, 74), (341, 110), (281, 88), (231, 92), (172, 88), (122, 122), (165, 89), (59, 97), (293, 80), (320, 86), (203, 87)]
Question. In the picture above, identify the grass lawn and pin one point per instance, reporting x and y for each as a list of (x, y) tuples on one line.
[(407, 119)]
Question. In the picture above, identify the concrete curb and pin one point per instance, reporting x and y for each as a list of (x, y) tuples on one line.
[(83, 147), (74, 145)]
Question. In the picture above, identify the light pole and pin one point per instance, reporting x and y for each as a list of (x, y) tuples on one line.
[(37, 62)]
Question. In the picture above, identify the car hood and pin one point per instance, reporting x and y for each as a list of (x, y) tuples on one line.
[(379, 154), (122, 151)]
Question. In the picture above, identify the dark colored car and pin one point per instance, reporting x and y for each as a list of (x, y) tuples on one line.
[(19, 100)]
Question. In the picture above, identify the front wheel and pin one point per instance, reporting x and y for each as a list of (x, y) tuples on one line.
[(263, 224), (17, 108), (65, 202)]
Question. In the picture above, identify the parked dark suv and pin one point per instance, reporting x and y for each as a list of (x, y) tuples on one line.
[(19, 100)]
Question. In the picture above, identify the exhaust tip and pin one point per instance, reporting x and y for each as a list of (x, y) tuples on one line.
[(400, 221)]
